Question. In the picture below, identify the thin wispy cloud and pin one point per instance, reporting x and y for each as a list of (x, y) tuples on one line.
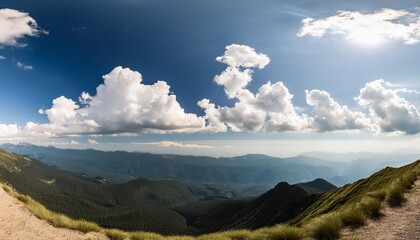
[(23, 66), (2, 58), (170, 144), (91, 141), (367, 28)]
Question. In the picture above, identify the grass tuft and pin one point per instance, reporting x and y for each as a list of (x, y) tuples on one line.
[(279, 232), (238, 235), (353, 218), (326, 227), (116, 234), (370, 207), (85, 226), (379, 195), (145, 235), (395, 195)]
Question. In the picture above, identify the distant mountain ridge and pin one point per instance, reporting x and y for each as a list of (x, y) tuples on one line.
[(316, 186), (251, 169), (119, 166)]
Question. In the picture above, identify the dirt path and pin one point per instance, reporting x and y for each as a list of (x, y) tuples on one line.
[(16, 223), (398, 223)]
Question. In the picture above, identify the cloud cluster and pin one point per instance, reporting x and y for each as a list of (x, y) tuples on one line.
[(367, 28), (15, 25), (330, 116), (390, 113), (271, 108), (9, 130), (122, 104), (234, 78)]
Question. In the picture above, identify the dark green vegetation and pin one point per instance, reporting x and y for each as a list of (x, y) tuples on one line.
[(164, 206), (316, 186), (171, 207), (137, 204)]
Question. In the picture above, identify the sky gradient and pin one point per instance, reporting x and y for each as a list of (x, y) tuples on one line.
[(211, 77)]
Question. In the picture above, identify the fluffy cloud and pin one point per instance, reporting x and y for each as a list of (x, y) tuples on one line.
[(367, 27), (271, 108), (276, 101), (330, 116), (9, 130), (390, 113), (2, 58), (243, 56), (15, 25), (234, 78), (122, 104)]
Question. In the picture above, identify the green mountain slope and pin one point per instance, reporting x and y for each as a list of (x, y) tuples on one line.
[(137, 204), (349, 194)]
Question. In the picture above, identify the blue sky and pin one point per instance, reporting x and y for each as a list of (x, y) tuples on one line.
[(178, 42)]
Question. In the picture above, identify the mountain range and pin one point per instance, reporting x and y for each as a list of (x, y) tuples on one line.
[(245, 171)]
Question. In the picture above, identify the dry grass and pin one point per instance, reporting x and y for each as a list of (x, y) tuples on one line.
[(395, 195), (370, 207), (326, 227), (116, 234), (353, 218)]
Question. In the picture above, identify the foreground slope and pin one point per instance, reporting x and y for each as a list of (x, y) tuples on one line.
[(137, 204), (346, 196), (396, 223), (16, 222)]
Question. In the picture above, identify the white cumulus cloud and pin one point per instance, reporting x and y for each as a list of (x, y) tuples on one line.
[(9, 130), (331, 116), (122, 104), (270, 109), (390, 113), (368, 28), (243, 56), (15, 25), (237, 75)]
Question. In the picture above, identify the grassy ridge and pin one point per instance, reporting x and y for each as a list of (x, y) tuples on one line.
[(350, 194)]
